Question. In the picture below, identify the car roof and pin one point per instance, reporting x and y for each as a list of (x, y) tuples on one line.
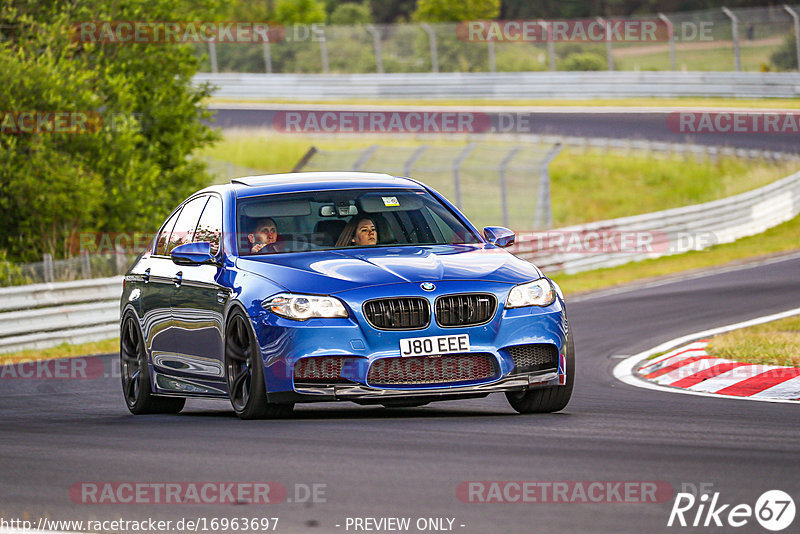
[(316, 181)]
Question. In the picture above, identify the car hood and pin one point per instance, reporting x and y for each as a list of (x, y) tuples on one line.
[(333, 271)]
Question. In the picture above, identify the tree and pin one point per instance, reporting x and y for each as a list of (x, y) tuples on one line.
[(350, 14), (130, 164), (450, 11)]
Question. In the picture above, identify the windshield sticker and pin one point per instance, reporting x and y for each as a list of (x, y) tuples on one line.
[(390, 202)]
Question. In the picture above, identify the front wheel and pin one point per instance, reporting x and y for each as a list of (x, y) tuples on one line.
[(135, 376), (547, 399), (245, 377)]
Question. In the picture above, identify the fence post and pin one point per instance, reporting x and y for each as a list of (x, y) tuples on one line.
[(268, 55), (86, 265), (413, 159), (212, 55), (120, 262), (47, 260), (501, 171), (432, 41), (376, 40), (671, 34), (456, 171), (323, 50), (609, 50), (796, 19), (364, 157), (735, 35), (492, 63), (551, 46), (544, 210)]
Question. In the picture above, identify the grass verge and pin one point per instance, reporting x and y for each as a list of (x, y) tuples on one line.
[(64, 350), (780, 239), (775, 343)]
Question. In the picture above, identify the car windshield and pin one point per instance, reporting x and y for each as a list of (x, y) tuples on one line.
[(324, 220)]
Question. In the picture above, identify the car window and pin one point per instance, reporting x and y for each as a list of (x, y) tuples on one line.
[(319, 220), (163, 237), (183, 232), (210, 226)]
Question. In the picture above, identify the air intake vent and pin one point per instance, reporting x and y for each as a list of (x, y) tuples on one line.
[(534, 357), (465, 310), (419, 370), (404, 313)]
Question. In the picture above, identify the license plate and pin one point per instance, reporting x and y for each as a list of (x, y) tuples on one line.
[(426, 346)]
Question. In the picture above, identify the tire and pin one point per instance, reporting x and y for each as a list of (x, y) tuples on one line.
[(547, 399), (244, 375), (134, 370)]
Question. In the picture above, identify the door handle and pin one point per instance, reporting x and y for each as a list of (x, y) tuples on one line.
[(146, 275), (178, 278)]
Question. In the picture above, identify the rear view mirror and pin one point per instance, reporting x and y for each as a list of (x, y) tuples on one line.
[(499, 236)]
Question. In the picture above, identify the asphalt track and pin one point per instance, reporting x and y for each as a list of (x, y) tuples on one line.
[(408, 462), (652, 124)]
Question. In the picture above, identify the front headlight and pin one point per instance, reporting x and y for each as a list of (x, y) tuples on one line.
[(303, 307), (537, 293)]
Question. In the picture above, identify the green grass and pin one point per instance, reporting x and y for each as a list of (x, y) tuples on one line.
[(64, 350), (585, 186), (780, 239), (774, 343), (719, 58)]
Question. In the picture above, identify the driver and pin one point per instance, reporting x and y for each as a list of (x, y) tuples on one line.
[(263, 237), (360, 232)]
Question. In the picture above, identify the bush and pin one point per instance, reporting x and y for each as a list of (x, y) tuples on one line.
[(785, 58), (584, 61)]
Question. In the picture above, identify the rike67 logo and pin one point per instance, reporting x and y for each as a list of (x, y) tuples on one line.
[(774, 510)]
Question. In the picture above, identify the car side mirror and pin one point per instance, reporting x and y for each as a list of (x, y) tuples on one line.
[(193, 254), (499, 236)]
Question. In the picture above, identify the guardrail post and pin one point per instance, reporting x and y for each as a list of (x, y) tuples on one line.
[(609, 50), (796, 19), (735, 35), (376, 41), (413, 159), (492, 62), (551, 46), (501, 171), (323, 50), (457, 171), (544, 209), (671, 35), (212, 55), (47, 264), (432, 41)]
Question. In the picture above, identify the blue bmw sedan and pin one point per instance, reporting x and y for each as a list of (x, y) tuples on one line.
[(307, 287)]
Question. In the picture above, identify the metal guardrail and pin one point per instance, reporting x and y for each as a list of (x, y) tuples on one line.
[(666, 232), (508, 85), (43, 315)]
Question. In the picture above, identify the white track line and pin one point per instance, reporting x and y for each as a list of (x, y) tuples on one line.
[(624, 369)]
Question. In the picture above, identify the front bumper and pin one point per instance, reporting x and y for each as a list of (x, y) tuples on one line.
[(284, 342)]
